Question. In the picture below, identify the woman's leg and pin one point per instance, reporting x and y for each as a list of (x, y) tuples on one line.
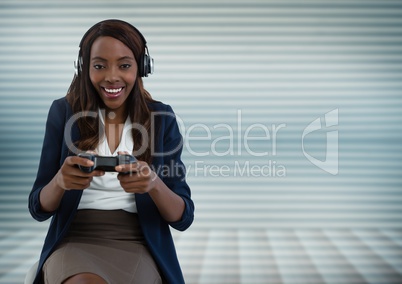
[(85, 278)]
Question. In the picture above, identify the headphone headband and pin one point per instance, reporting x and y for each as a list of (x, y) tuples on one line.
[(146, 63)]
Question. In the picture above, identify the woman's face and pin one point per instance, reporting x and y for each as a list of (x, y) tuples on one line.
[(113, 72)]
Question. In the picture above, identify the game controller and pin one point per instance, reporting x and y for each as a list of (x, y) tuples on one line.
[(105, 163)]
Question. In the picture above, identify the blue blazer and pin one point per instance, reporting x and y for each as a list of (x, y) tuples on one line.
[(156, 230)]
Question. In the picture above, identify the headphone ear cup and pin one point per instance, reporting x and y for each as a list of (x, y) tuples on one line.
[(142, 66), (147, 66), (78, 65)]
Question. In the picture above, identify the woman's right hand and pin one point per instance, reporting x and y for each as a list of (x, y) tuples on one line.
[(68, 177), (71, 177)]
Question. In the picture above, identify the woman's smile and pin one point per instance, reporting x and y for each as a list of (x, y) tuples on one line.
[(112, 93)]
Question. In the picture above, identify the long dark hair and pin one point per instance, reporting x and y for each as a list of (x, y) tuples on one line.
[(83, 97)]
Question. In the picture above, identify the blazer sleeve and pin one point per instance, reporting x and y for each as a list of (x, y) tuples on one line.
[(50, 158), (175, 176)]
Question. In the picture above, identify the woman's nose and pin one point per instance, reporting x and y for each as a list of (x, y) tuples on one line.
[(112, 74)]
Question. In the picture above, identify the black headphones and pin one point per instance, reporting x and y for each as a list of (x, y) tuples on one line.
[(146, 64)]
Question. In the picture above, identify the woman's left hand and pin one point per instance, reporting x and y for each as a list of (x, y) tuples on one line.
[(137, 177), (140, 178)]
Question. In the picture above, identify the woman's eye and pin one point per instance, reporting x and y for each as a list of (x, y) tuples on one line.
[(125, 66), (98, 66)]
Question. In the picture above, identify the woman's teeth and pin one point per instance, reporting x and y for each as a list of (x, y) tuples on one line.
[(114, 91)]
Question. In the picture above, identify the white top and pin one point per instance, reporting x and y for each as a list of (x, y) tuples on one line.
[(105, 192)]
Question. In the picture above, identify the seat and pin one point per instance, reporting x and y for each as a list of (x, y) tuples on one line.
[(30, 276)]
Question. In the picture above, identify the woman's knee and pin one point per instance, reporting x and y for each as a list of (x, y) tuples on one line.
[(85, 278)]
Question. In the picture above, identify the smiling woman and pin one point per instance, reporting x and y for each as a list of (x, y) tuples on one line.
[(114, 216)]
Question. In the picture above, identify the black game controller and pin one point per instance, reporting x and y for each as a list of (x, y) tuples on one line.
[(105, 163)]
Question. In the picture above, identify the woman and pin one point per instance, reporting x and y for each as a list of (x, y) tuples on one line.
[(111, 227)]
